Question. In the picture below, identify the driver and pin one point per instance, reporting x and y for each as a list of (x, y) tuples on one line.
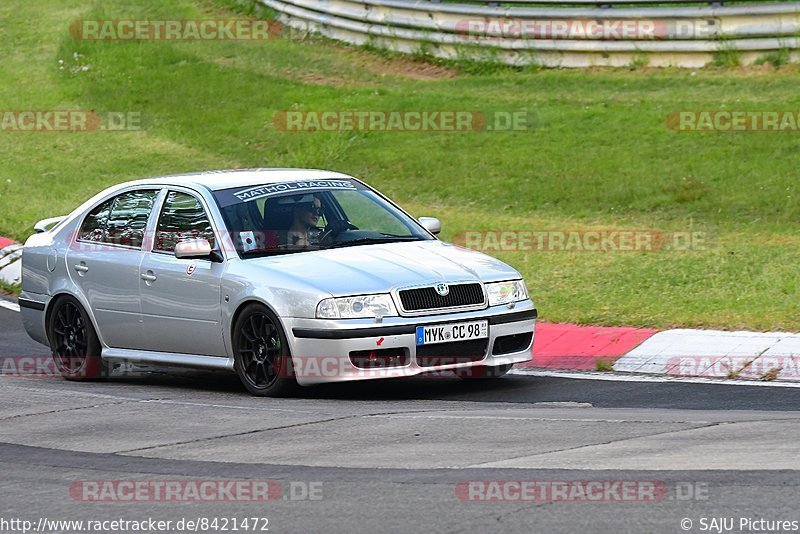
[(305, 216)]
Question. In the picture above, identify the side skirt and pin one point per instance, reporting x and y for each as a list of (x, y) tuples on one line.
[(168, 358)]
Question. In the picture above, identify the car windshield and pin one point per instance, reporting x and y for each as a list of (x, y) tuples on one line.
[(285, 218)]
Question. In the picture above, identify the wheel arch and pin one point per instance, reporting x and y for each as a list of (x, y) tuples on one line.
[(240, 308), (65, 292)]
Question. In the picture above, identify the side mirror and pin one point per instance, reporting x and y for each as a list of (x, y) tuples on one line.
[(196, 249), (431, 224)]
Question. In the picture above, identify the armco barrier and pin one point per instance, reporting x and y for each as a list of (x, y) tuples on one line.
[(576, 36), (10, 265)]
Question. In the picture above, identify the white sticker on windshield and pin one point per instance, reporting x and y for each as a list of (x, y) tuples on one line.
[(248, 241)]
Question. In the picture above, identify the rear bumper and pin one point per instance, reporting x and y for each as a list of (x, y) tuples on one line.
[(32, 312), (321, 350)]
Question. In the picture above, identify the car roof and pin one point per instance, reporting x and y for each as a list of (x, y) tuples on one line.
[(223, 179)]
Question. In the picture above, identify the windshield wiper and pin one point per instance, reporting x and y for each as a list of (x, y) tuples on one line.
[(272, 252), (387, 238)]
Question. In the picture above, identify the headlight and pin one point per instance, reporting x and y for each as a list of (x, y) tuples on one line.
[(506, 292), (356, 307)]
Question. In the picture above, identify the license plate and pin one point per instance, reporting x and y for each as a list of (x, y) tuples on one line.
[(445, 333)]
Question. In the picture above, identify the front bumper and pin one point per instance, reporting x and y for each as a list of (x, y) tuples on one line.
[(321, 349)]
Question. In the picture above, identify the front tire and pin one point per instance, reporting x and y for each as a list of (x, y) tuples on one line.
[(261, 353), (74, 342)]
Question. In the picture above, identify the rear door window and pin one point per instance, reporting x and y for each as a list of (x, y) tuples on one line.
[(127, 221), (121, 220)]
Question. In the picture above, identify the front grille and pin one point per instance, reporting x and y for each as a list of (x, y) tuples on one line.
[(450, 353), (426, 298)]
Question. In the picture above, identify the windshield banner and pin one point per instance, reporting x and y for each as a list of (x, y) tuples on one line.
[(234, 196)]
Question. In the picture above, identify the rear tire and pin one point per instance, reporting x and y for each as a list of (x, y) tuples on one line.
[(484, 372), (74, 342), (261, 353)]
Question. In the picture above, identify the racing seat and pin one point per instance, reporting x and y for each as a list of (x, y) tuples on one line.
[(278, 219), (250, 233)]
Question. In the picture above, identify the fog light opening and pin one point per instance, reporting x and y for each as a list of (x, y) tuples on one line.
[(380, 358)]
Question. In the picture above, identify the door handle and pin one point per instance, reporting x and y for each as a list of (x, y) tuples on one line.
[(149, 276), (81, 267)]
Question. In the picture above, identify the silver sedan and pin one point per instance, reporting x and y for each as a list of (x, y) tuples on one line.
[(284, 276)]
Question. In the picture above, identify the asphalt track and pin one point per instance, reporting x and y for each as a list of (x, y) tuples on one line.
[(396, 456)]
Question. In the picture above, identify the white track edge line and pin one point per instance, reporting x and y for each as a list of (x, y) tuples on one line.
[(616, 377), (13, 306)]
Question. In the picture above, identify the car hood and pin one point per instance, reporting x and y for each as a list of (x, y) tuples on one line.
[(379, 268)]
